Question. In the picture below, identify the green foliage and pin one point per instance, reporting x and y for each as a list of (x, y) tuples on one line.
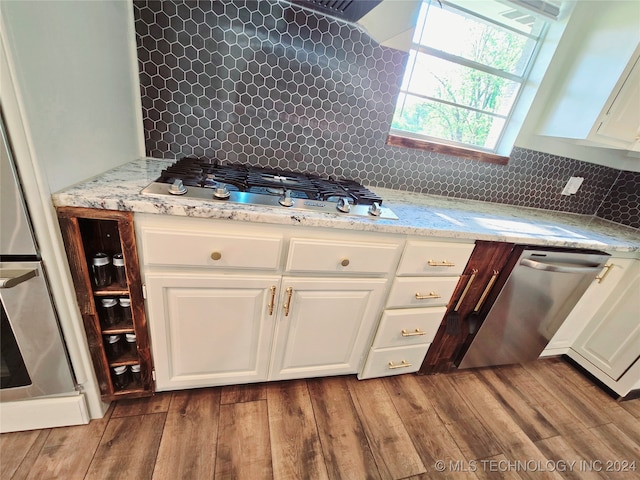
[(479, 91)]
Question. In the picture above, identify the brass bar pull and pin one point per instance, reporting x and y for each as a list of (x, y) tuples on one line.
[(494, 277), (443, 263), (416, 332), (287, 303), (402, 364), (466, 289), (272, 301), (608, 267), (419, 296)]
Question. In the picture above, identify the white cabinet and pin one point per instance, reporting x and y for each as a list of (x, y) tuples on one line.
[(209, 329), (602, 289), (610, 342), (309, 308), (324, 326), (608, 345), (426, 278), (619, 124)]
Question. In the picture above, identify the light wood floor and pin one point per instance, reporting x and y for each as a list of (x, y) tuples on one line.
[(544, 415)]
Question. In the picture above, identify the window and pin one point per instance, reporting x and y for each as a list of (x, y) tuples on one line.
[(467, 65)]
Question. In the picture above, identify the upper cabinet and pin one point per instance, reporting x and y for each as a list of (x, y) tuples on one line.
[(619, 123), (595, 97)]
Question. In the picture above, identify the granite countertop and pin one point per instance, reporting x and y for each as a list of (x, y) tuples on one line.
[(419, 214)]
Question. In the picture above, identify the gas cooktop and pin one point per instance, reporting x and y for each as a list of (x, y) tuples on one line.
[(241, 184)]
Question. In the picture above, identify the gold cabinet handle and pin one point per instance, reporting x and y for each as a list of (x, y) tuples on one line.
[(419, 296), (416, 332), (287, 303), (466, 289), (607, 268), (402, 364), (443, 263), (216, 256), (487, 289), (344, 262), (272, 300)]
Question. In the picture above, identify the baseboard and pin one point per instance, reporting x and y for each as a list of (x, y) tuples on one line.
[(37, 413), (632, 395)]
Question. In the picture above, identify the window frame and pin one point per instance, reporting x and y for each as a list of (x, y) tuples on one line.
[(497, 155)]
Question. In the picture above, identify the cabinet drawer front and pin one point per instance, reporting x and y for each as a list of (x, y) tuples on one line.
[(393, 361), (200, 249), (433, 258), (421, 292), (416, 326), (341, 257)]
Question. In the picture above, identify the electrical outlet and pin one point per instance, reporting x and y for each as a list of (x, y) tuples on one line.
[(572, 185)]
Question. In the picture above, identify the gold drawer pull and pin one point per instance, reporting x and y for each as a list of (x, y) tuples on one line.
[(344, 262), (601, 277), (412, 334), (287, 303), (443, 263), (272, 300), (419, 296), (402, 364), (216, 256)]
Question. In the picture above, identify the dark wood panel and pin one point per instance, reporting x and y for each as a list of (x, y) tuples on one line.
[(159, 403), (486, 259)]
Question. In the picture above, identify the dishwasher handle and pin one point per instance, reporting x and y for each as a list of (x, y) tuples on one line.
[(11, 278), (551, 267)]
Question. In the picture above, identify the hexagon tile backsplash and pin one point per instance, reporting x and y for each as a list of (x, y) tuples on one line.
[(268, 83)]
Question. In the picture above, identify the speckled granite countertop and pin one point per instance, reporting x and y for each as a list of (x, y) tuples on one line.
[(419, 214)]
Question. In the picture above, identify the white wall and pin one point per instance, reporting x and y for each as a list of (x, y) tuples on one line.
[(595, 48), (74, 64), (69, 92)]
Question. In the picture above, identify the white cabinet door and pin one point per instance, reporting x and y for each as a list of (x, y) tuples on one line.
[(611, 340), (596, 295), (328, 327), (209, 329)]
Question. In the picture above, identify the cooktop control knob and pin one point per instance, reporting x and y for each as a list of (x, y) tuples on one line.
[(286, 200), (221, 191), (344, 205), (177, 187), (375, 209)]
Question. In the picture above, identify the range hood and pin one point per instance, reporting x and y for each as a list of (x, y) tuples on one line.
[(389, 22)]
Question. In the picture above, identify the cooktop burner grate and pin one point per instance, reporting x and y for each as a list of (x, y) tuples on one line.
[(208, 179)]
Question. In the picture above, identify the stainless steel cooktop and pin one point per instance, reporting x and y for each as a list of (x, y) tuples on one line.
[(241, 184)]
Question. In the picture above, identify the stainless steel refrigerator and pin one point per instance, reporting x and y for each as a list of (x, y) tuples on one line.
[(33, 359)]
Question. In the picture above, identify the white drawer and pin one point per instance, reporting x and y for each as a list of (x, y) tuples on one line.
[(324, 256), (421, 291), (434, 258), (415, 326), (203, 249), (393, 361)]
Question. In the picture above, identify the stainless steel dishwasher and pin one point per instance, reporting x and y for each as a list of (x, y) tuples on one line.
[(538, 294)]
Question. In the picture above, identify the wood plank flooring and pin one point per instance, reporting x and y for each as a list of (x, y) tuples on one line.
[(542, 420)]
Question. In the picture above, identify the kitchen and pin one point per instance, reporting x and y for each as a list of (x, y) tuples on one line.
[(108, 83)]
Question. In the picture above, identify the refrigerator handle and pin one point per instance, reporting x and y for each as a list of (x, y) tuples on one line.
[(550, 267), (9, 278)]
